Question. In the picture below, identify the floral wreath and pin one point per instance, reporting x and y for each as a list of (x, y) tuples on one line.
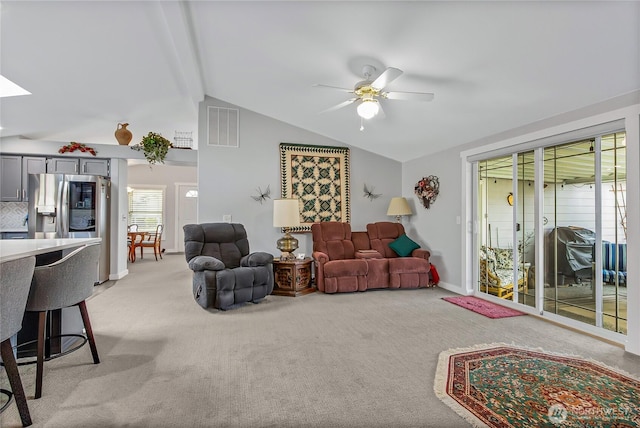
[(427, 189), (69, 148)]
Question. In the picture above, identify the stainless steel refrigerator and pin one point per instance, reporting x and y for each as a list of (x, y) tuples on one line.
[(71, 206)]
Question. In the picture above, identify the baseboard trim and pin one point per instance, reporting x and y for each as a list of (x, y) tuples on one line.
[(453, 288), (119, 275)]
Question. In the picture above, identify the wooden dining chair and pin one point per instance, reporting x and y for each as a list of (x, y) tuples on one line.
[(131, 245), (152, 241)]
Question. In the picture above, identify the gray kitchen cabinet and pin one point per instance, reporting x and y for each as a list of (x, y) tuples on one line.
[(11, 174), (82, 166), (14, 235), (15, 176), (15, 170), (94, 167), (62, 166), (31, 165)]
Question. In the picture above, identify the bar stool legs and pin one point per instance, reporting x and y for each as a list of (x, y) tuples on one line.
[(42, 321), (11, 367), (87, 327)]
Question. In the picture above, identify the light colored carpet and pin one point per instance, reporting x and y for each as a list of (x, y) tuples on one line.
[(346, 360)]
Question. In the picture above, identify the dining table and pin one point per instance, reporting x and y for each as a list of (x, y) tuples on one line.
[(132, 239)]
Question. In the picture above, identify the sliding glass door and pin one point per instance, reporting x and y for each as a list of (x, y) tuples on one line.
[(613, 257), (525, 226), (579, 195), (497, 265), (570, 230)]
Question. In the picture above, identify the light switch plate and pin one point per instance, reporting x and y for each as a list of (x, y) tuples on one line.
[(226, 218)]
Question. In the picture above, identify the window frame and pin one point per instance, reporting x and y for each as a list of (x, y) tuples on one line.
[(131, 188)]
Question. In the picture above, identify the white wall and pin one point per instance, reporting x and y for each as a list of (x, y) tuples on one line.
[(228, 177)]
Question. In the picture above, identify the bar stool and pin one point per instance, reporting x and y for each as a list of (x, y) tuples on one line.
[(14, 290), (64, 283)]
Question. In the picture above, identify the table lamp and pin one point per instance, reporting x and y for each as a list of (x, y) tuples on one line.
[(399, 207), (286, 214)]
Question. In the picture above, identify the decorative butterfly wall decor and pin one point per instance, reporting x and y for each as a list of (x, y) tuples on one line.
[(262, 196), (369, 193)]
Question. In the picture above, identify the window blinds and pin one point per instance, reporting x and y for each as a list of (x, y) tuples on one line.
[(145, 208)]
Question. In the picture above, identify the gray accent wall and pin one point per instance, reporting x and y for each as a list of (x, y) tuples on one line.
[(228, 177), (437, 226)]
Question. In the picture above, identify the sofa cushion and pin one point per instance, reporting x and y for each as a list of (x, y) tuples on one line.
[(403, 246), (333, 239), (504, 258), (409, 265), (381, 234), (339, 268)]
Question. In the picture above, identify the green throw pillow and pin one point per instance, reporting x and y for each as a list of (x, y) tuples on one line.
[(403, 246)]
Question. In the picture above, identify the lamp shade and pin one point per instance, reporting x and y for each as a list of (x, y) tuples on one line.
[(399, 206), (368, 108), (286, 213)]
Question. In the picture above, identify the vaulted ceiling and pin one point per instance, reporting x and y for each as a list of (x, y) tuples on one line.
[(492, 66)]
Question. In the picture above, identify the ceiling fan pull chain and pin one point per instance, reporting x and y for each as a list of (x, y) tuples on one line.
[(361, 124)]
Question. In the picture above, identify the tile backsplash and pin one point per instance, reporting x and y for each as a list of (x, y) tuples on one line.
[(12, 216)]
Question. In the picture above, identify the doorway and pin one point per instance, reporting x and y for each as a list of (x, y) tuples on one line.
[(186, 210), (573, 226)]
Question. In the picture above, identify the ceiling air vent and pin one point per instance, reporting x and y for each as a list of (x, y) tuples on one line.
[(223, 126)]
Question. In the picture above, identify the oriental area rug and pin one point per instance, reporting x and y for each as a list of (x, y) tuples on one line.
[(483, 307), (500, 385)]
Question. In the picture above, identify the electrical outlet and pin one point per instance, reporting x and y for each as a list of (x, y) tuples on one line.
[(226, 218)]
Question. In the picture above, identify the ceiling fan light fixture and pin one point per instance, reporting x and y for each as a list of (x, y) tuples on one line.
[(368, 108)]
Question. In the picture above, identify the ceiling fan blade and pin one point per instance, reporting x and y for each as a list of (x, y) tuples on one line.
[(339, 106), (387, 76), (380, 114), (409, 96), (319, 85)]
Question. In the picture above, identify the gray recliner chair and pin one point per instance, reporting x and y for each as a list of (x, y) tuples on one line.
[(224, 272)]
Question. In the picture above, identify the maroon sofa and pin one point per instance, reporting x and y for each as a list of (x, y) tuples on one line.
[(347, 261)]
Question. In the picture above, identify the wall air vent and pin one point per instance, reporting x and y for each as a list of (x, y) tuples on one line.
[(224, 126)]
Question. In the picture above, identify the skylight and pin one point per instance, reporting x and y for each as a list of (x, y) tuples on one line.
[(10, 89)]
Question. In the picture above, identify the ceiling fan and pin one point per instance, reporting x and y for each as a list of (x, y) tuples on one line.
[(368, 92)]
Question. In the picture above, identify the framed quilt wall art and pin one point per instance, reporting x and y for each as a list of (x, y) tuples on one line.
[(319, 177)]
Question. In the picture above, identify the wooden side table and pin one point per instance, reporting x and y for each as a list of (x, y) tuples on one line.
[(292, 277)]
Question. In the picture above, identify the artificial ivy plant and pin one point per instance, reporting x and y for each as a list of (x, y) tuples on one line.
[(154, 146)]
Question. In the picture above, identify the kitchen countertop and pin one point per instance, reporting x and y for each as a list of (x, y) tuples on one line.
[(12, 249)]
